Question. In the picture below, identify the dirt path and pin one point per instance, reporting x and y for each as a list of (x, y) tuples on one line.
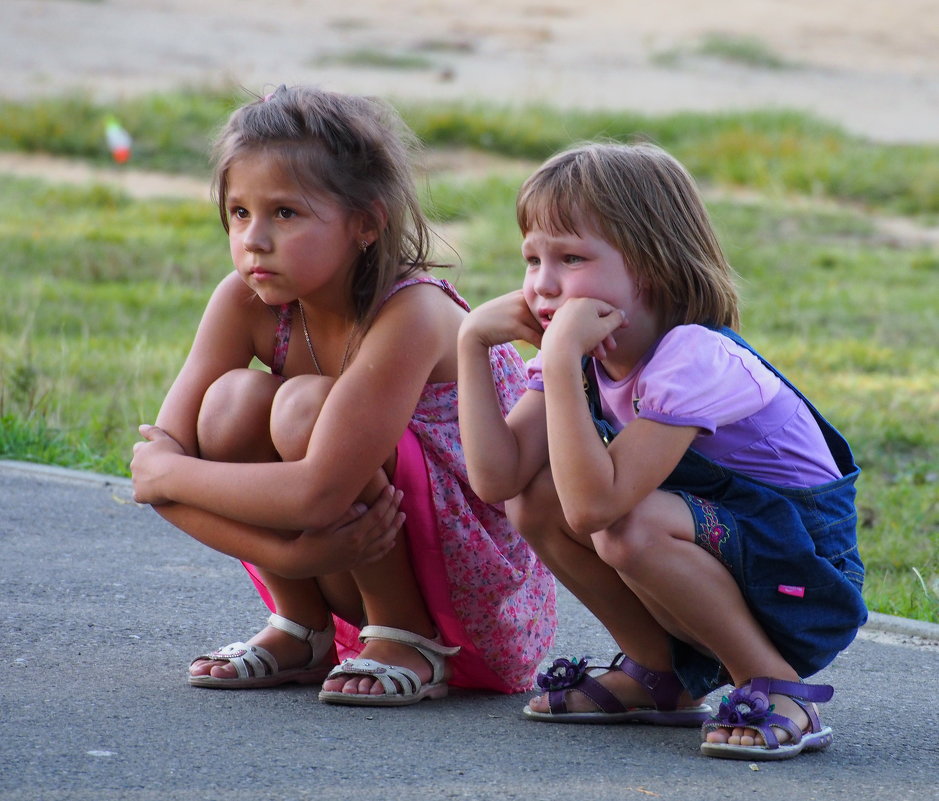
[(870, 65)]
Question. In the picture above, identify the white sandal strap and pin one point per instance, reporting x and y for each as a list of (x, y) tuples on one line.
[(407, 680), (293, 629), (250, 661), (434, 652), (320, 641)]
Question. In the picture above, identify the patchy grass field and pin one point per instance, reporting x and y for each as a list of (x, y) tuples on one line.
[(102, 292)]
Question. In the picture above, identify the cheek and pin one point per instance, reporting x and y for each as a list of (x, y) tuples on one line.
[(528, 286)]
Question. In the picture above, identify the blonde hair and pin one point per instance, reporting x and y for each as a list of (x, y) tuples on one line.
[(643, 202), (355, 149)]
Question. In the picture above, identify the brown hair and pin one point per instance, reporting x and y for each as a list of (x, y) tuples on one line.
[(645, 203), (357, 150)]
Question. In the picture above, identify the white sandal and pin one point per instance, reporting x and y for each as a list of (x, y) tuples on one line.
[(401, 685), (257, 667)]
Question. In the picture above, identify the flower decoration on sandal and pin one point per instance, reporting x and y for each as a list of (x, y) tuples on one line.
[(562, 674), (744, 707)]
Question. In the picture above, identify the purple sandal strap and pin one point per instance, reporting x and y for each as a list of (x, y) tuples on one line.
[(814, 693), (663, 686), (589, 686)]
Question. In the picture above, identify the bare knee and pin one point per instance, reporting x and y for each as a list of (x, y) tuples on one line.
[(645, 534), (234, 419), (296, 406)]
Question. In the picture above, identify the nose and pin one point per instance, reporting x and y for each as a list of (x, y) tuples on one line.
[(546, 282), (255, 238)]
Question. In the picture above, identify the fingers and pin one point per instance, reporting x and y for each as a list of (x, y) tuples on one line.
[(151, 432), (373, 529), (386, 521)]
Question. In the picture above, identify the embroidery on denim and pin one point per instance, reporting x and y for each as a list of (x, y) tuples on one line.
[(713, 534)]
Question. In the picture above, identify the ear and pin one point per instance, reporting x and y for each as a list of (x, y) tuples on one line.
[(373, 223)]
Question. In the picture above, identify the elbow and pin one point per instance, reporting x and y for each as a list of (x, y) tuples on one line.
[(490, 488), (584, 521)]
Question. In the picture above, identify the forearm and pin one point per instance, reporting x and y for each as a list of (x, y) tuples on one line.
[(271, 495), (266, 548), (489, 445), (583, 471)]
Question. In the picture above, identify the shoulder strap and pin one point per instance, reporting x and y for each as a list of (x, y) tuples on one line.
[(837, 444), (604, 429), (284, 316)]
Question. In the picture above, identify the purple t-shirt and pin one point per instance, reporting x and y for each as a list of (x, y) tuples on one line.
[(750, 420)]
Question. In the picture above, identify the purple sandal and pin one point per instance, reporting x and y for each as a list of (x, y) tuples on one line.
[(663, 686), (748, 706)]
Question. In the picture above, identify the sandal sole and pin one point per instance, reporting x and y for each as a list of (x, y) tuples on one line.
[(427, 692), (691, 717), (261, 682), (817, 741)]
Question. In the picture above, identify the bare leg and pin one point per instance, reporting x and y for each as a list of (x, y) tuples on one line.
[(538, 516), (235, 425), (654, 552), (386, 591)]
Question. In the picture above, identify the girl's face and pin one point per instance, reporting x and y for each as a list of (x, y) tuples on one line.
[(562, 266), (287, 243)]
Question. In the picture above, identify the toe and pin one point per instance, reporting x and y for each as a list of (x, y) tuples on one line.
[(717, 736), (223, 670), (539, 704)]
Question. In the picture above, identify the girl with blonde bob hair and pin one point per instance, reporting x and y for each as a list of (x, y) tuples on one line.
[(670, 477)]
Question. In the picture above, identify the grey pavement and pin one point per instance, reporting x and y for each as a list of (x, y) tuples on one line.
[(103, 604)]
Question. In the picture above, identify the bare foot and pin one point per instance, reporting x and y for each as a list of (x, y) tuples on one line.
[(285, 648), (387, 652), (629, 692)]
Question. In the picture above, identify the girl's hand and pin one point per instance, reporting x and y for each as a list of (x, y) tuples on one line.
[(151, 462), (363, 534), (503, 319), (586, 325)]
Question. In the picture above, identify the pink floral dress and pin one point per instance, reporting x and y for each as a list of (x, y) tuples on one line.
[(485, 588)]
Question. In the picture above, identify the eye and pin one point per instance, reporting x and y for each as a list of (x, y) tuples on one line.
[(239, 212), (532, 262), (283, 213), (571, 258)]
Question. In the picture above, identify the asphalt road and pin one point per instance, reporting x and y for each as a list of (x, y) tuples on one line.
[(103, 604)]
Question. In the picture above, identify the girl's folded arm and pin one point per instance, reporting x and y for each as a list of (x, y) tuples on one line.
[(502, 453), (598, 485), (357, 430)]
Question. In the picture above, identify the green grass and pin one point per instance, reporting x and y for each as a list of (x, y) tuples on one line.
[(102, 293), (774, 152), (377, 59), (746, 51)]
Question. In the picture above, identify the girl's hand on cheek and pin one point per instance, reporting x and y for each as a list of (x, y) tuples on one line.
[(585, 325), (150, 464), (503, 319)]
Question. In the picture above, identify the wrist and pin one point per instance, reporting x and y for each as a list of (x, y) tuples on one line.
[(470, 340), (559, 356)]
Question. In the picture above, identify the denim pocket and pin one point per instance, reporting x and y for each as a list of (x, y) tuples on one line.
[(810, 623)]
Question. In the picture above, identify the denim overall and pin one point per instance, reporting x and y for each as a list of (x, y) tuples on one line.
[(792, 551)]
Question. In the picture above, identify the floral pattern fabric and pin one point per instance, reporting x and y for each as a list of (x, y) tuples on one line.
[(484, 586)]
